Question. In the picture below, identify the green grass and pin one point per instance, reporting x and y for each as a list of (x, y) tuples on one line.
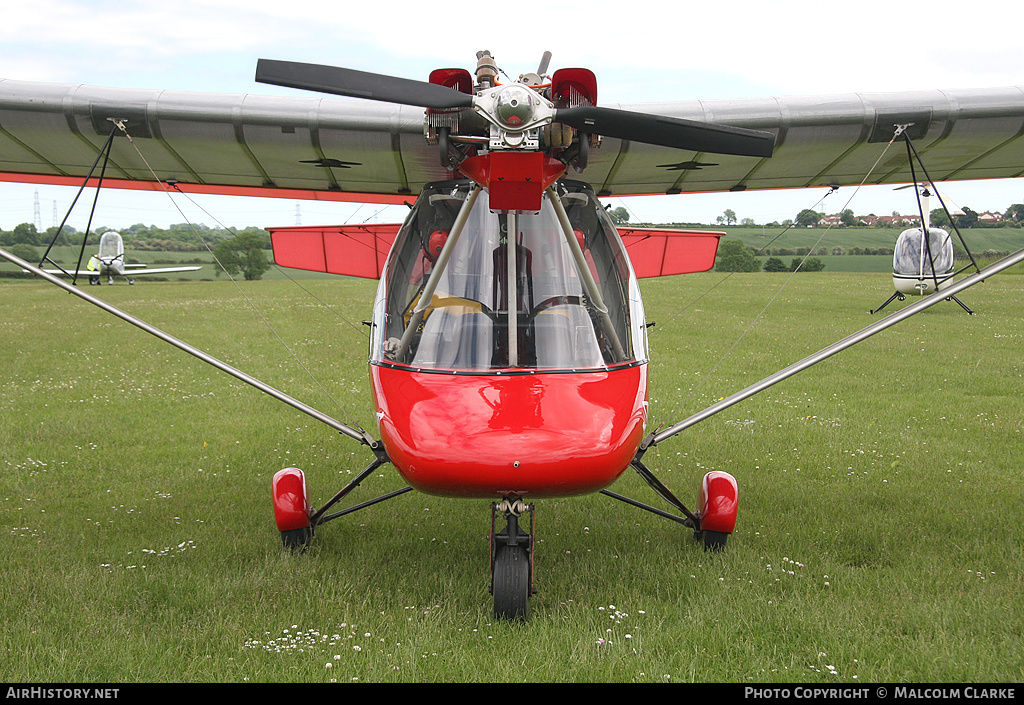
[(879, 537)]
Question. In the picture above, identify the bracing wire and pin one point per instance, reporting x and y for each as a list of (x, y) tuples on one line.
[(252, 305), (899, 130)]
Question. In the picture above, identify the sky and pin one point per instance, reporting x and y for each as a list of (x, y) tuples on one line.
[(640, 50)]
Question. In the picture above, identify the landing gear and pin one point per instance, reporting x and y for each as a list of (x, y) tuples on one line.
[(292, 509), (715, 520), (962, 304), (295, 516), (511, 560), (297, 539), (901, 297), (719, 497), (894, 297)]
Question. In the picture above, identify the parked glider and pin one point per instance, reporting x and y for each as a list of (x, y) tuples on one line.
[(508, 351)]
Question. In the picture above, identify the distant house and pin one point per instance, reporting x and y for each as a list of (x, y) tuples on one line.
[(891, 221), (990, 217)]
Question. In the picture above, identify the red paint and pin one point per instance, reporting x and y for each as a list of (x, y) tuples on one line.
[(719, 501), (569, 85), (353, 250), (215, 189), (515, 181), (462, 435), (456, 79), (655, 252), (291, 503)]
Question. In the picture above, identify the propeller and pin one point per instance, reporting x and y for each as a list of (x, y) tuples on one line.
[(359, 84), (668, 131), (622, 124)]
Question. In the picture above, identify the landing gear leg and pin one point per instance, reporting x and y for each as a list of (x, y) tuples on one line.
[(892, 298), (962, 304), (511, 560)]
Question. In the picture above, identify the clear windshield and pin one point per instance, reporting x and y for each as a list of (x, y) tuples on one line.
[(570, 303), (110, 245), (912, 258)]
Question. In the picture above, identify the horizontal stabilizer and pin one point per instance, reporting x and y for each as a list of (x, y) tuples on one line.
[(658, 253), (352, 250)]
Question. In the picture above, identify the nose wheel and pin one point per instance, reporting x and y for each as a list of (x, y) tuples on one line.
[(511, 559)]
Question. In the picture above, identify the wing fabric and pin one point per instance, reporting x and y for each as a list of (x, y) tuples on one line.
[(348, 149), (352, 250), (658, 253)]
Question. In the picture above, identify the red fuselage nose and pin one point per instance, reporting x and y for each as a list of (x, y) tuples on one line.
[(527, 434)]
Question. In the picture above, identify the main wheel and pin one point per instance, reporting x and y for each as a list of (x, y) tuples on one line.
[(297, 539), (511, 582), (292, 509), (712, 540)]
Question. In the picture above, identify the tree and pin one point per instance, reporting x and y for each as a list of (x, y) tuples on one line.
[(774, 264), (27, 252), (619, 215), (968, 220), (938, 218), (811, 264), (1015, 213), (26, 233), (734, 256), (807, 217), (728, 217), (244, 252)]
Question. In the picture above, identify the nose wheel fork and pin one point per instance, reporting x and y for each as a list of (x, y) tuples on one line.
[(512, 559)]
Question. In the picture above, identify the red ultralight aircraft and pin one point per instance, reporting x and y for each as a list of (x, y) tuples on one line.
[(508, 352)]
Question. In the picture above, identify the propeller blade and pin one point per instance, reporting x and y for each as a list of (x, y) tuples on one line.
[(668, 131), (359, 84)]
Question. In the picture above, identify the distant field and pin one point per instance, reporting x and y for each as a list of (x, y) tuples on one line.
[(879, 537), (978, 239)]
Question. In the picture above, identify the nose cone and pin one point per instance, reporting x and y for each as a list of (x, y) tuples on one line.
[(495, 435)]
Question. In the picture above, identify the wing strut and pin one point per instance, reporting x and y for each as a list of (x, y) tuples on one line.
[(863, 334), (344, 429), (105, 156)]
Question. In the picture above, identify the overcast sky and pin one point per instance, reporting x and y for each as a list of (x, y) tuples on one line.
[(640, 51)]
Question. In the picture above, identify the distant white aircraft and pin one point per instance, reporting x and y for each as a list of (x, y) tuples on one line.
[(110, 261), (922, 266)]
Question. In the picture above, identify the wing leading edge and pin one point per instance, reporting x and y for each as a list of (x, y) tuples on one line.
[(346, 149)]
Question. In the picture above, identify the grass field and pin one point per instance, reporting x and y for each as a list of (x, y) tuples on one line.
[(879, 536)]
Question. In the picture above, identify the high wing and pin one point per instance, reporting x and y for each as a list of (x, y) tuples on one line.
[(331, 148)]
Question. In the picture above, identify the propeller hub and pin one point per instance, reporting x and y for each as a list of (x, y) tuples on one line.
[(514, 107)]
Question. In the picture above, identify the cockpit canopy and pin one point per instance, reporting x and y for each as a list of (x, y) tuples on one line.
[(569, 297), (912, 257), (111, 245)]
